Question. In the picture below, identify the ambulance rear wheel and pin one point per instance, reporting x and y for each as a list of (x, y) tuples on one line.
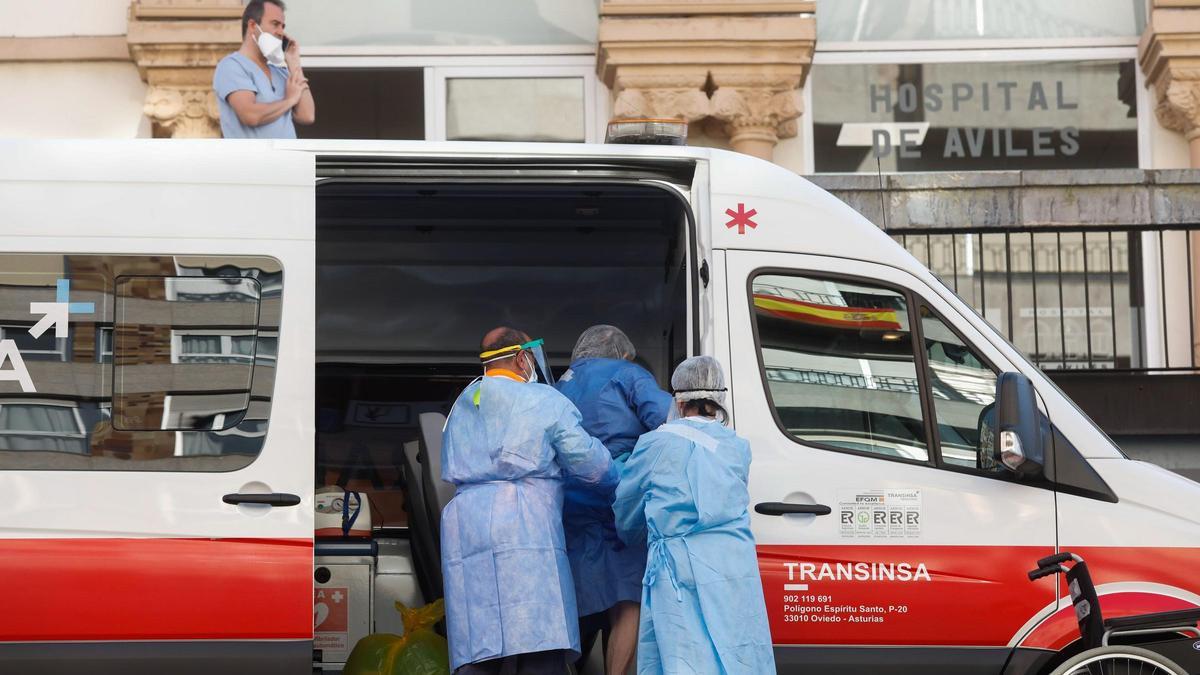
[(1119, 660)]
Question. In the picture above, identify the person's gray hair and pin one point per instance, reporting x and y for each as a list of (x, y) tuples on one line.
[(603, 342)]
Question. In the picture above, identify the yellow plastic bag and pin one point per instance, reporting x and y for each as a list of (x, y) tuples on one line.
[(420, 651)]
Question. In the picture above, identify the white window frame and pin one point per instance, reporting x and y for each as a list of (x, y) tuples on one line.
[(439, 64), (967, 44), (112, 337), (436, 78), (964, 51), (268, 334), (80, 433), (226, 352), (60, 351)]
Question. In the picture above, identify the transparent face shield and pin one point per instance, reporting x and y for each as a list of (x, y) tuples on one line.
[(537, 350)]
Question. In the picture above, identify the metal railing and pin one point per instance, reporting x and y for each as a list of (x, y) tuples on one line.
[(1094, 298)]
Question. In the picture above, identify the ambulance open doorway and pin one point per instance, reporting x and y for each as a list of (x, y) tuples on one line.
[(411, 275)]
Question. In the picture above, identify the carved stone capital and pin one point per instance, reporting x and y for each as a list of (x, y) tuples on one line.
[(176, 44), (739, 63), (652, 91), (1177, 103), (761, 107), (1169, 53), (183, 113)]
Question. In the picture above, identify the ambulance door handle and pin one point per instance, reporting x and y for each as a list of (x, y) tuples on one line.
[(269, 499), (784, 508)]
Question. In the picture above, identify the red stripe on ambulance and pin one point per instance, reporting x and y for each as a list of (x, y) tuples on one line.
[(156, 589), (944, 595)]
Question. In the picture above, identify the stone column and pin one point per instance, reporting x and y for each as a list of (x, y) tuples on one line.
[(176, 45), (736, 65), (1169, 53)]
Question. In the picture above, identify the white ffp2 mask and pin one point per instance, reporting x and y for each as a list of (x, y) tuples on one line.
[(271, 48)]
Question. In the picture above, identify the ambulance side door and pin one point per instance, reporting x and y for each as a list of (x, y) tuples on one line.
[(156, 453), (885, 543)]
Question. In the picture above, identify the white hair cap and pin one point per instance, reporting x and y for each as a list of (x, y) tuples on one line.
[(699, 378), (603, 342)]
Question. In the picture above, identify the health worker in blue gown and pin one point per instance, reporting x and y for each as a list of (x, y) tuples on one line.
[(508, 445), (619, 401), (684, 492)]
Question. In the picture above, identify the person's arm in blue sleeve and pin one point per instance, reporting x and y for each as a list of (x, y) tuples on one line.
[(629, 507), (582, 457), (644, 396)]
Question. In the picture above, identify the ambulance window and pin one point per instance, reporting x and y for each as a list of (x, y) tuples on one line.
[(183, 352), (840, 365), (962, 385), (188, 344)]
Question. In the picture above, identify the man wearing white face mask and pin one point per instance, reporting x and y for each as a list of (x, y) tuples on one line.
[(261, 89)]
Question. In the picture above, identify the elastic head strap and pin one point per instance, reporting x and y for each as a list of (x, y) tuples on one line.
[(498, 354)]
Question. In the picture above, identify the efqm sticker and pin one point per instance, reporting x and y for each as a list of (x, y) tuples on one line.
[(880, 514)]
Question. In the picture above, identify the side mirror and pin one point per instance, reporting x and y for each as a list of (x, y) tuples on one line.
[(1011, 432)]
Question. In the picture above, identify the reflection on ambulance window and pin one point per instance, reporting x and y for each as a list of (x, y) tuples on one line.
[(201, 332), (45, 347), (104, 344), (840, 364), (184, 351), (962, 386), (213, 346), (244, 439), (41, 426)]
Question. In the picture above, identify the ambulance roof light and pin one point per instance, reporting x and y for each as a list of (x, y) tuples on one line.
[(647, 132)]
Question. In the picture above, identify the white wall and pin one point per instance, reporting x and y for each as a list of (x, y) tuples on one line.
[(789, 152), (46, 18), (1160, 148), (72, 100)]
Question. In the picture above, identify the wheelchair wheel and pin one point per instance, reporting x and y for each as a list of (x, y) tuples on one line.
[(1119, 660)]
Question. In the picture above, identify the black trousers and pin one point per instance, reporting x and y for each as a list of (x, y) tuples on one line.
[(535, 663), (591, 627)]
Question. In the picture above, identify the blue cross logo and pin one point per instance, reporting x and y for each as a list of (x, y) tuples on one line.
[(64, 296)]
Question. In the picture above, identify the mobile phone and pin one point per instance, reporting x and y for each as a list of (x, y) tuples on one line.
[(286, 42)]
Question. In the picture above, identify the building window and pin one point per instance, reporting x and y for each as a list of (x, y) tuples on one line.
[(205, 370), (856, 21), (212, 347), (104, 344), (446, 23), (367, 103), (47, 347), (515, 109), (41, 426), (974, 116)]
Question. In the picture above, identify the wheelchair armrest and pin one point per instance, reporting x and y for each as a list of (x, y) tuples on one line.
[(1182, 617)]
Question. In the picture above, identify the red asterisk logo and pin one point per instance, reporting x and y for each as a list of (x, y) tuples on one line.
[(741, 219)]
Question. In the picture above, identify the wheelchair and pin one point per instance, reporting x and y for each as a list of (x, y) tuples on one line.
[(1168, 642)]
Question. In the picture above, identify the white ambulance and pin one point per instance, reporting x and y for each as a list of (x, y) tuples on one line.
[(195, 336)]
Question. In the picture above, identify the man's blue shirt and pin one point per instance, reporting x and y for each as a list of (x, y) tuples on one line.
[(237, 73)]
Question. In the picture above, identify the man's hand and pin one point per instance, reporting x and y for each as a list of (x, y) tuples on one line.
[(305, 109), (292, 56), (297, 84)]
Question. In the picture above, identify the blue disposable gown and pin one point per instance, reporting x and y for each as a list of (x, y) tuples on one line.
[(684, 490), (619, 401), (507, 582)]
